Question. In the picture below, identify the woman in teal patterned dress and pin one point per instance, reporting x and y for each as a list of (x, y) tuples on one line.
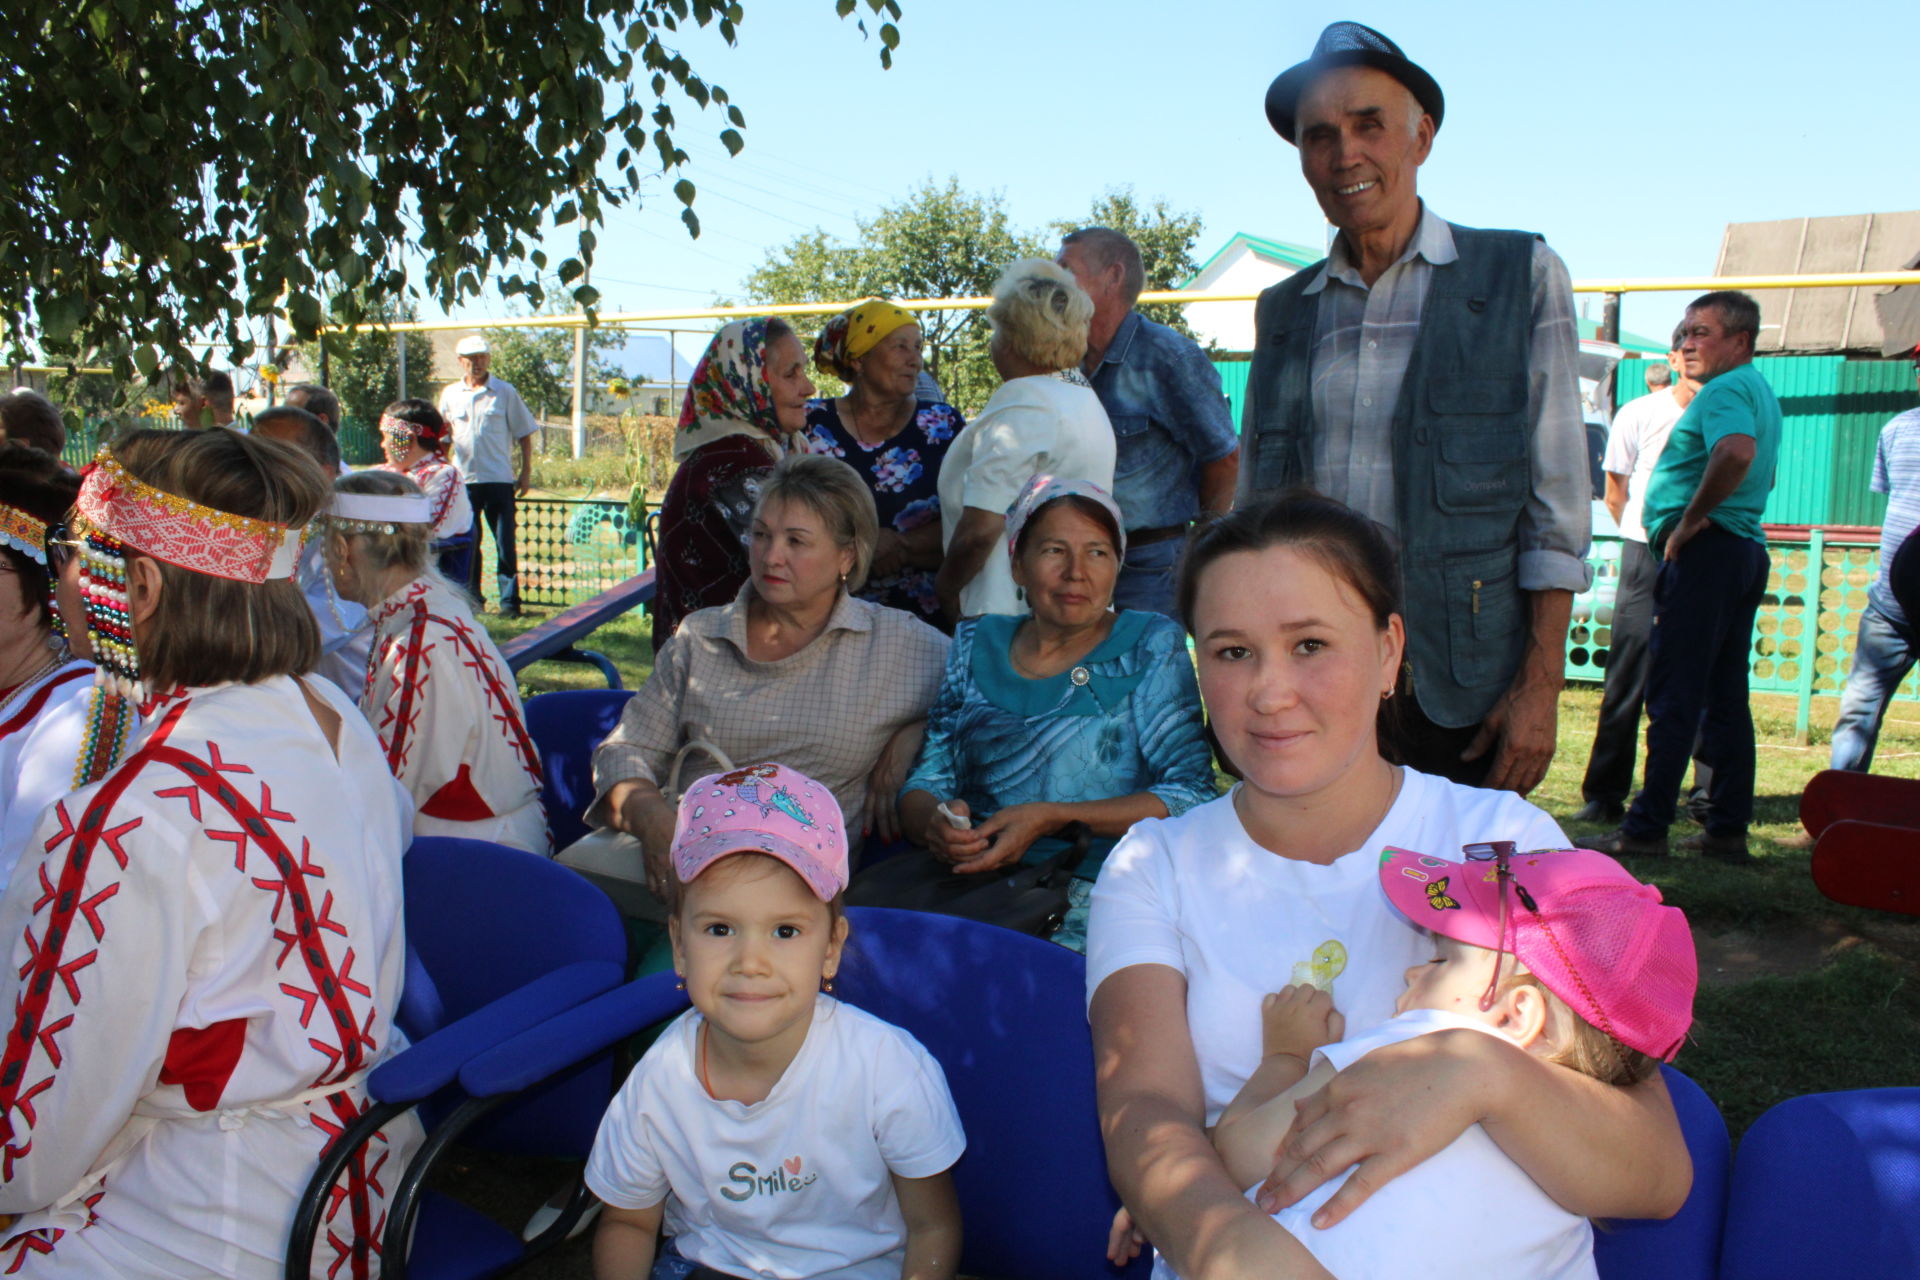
[(1070, 714)]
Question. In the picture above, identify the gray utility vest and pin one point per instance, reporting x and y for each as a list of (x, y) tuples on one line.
[(1461, 451)]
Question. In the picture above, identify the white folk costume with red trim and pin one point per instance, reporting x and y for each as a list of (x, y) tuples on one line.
[(440, 481), (205, 953), (448, 714), (42, 725)]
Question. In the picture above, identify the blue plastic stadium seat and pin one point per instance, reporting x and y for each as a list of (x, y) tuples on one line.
[(566, 726), (1687, 1245), (499, 941), (1828, 1185), (1005, 1016)]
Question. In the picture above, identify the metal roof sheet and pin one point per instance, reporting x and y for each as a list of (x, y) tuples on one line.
[(1822, 320)]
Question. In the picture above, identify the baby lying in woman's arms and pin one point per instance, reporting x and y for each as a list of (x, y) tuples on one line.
[(1562, 952)]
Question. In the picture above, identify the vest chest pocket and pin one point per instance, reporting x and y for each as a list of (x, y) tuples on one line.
[(1481, 462)]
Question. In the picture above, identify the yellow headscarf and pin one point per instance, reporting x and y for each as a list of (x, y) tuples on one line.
[(856, 331)]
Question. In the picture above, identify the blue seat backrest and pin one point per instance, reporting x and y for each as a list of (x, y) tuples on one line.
[(566, 726), (1005, 1016), (1687, 1245), (1828, 1184), (484, 920)]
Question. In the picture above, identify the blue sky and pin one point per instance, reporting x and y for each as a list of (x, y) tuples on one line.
[(1629, 138)]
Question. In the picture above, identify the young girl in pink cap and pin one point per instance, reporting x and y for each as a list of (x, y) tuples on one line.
[(1560, 951), (774, 1130)]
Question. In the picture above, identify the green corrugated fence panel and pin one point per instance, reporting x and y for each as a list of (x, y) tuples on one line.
[(359, 442), (1808, 614), (1803, 480), (1869, 392), (1233, 380)]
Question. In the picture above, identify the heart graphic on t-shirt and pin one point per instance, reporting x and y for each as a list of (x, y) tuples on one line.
[(792, 1165)]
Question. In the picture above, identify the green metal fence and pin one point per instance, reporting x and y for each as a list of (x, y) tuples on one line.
[(572, 549), (1803, 636), (1833, 408)]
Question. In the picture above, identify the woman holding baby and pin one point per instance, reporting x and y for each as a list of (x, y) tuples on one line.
[(1197, 918)]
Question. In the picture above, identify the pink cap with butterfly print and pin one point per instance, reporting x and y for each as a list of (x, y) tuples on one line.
[(763, 808), (1586, 929)]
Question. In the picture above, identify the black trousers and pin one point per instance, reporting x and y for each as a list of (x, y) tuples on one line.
[(493, 511), (1616, 740), (1419, 743), (1704, 605)]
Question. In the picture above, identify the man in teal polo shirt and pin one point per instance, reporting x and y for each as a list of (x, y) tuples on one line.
[(1702, 516)]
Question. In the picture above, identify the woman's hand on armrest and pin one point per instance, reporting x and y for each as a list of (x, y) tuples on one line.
[(1599, 1150)]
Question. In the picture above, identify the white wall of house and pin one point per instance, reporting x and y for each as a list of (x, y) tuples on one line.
[(1240, 269)]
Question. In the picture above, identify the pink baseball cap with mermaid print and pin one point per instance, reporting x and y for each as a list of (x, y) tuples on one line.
[(1593, 935), (763, 808)]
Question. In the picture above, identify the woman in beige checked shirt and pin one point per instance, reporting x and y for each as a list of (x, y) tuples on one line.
[(795, 670)]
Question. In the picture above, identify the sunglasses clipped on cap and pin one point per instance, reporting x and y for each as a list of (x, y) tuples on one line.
[(1500, 853)]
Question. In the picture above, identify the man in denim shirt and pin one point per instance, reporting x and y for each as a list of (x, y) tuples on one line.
[(1177, 454)]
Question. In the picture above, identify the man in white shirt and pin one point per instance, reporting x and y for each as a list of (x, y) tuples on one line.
[(488, 418), (1634, 441)]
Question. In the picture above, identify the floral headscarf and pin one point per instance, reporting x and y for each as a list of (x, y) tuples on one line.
[(854, 332), (1043, 489), (728, 395)]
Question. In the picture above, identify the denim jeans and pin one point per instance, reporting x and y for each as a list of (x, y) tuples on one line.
[(1883, 653), (1616, 739), (1146, 579), (493, 510)]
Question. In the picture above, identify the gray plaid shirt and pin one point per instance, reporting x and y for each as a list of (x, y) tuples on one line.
[(1362, 341)]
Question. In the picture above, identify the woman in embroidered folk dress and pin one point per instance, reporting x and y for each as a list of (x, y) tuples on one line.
[(44, 687), (206, 944), (745, 410), (438, 692), (416, 439), (893, 439)]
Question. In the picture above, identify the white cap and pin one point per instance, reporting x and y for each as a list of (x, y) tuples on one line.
[(471, 345)]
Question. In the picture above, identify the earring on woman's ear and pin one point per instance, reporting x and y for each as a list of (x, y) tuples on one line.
[(826, 984), (1386, 695), (680, 982)]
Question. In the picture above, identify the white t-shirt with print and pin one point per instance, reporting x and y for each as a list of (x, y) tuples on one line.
[(1466, 1213), (1195, 893), (798, 1184), (1042, 424)]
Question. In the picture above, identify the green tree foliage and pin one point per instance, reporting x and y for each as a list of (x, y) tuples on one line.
[(943, 242), (939, 242), (178, 169), (1166, 238), (539, 363), (363, 368)]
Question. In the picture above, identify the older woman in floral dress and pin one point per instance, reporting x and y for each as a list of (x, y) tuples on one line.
[(894, 439)]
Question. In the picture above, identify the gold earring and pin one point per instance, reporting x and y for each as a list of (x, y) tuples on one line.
[(1386, 695), (680, 983), (826, 984)]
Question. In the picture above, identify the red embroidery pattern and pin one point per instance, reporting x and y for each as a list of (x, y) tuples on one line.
[(31, 709), (50, 973)]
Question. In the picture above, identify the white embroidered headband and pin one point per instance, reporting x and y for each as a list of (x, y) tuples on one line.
[(378, 512)]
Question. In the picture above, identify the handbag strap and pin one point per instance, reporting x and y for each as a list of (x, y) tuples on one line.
[(1068, 860), (680, 757)]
